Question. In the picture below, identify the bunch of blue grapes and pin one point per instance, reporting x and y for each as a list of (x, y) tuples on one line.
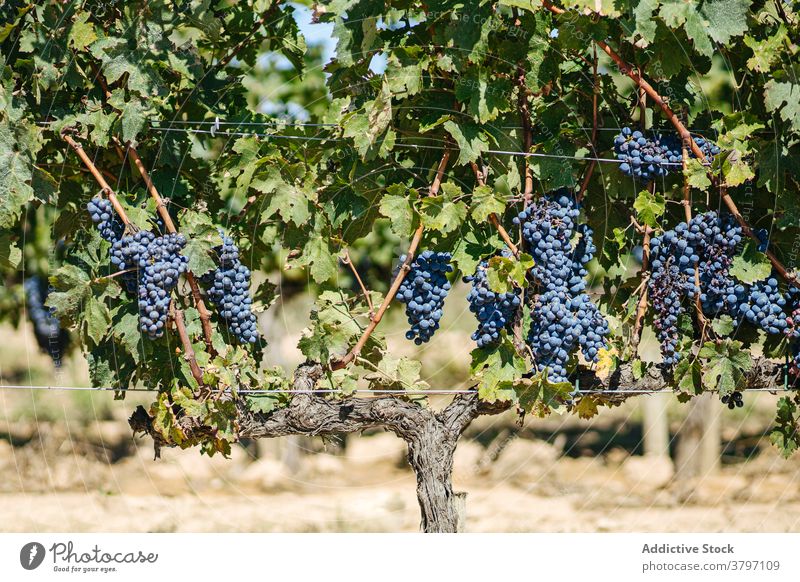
[(494, 311), (423, 292), (713, 239), (707, 243), (672, 264), (160, 266), (228, 287), (52, 339), (733, 400), (103, 215), (563, 316), (653, 157), (763, 306), (792, 330), (125, 256), (152, 265)]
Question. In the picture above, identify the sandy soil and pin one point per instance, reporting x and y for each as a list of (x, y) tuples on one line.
[(62, 481)]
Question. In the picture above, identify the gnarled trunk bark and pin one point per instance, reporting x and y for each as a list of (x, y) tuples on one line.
[(430, 454)]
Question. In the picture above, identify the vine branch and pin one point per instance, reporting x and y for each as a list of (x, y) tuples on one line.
[(98, 176), (177, 314), (401, 274), (493, 217), (349, 262), (205, 315)]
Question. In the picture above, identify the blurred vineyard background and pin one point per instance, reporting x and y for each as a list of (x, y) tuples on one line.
[(69, 462)]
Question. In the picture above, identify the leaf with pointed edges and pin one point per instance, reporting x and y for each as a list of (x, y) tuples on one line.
[(697, 174), (486, 201), (469, 138), (751, 265), (82, 33), (723, 325), (765, 52), (638, 368), (538, 395), (786, 434), (784, 97), (504, 274), (10, 254), (497, 369), (397, 374), (725, 365), (649, 207), (586, 407), (688, 375), (397, 206), (442, 212), (98, 319)]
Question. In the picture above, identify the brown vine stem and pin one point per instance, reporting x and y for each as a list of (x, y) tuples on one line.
[(593, 164), (180, 326), (641, 306), (493, 217), (349, 262), (687, 211), (627, 69), (527, 134), (401, 274), (205, 315), (177, 315), (98, 176)]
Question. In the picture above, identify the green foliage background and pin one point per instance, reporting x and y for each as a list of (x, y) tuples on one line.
[(299, 196)]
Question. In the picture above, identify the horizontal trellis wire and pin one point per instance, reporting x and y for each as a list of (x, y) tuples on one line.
[(368, 391), (396, 145)]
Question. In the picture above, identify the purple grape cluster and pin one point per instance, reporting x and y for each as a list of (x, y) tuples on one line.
[(708, 242), (153, 264), (494, 311), (733, 400), (653, 157), (713, 239), (52, 339), (228, 287), (563, 316), (125, 254), (763, 306), (423, 292), (102, 213), (160, 265)]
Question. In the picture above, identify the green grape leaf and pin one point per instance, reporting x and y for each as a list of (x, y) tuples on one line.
[(469, 138), (10, 254), (443, 212), (723, 325), (688, 375), (767, 51), (82, 33), (725, 365), (786, 434), (486, 201), (649, 207), (504, 274), (697, 174), (397, 206), (497, 369), (784, 97), (751, 265), (397, 374)]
